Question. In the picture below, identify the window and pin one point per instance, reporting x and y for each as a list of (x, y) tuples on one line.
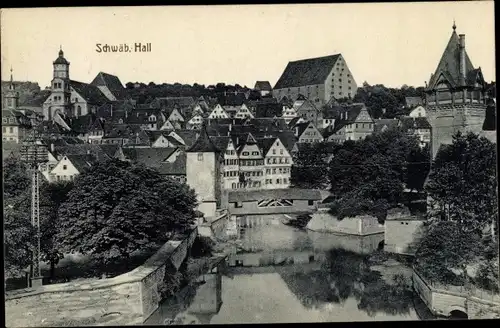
[(310, 202), (245, 153), (274, 151), (200, 156), (4, 129), (65, 167), (281, 151), (11, 130), (356, 125), (238, 204), (278, 181), (340, 80)]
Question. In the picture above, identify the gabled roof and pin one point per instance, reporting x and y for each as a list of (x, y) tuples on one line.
[(265, 144), (263, 86), (89, 92), (81, 162), (112, 82), (385, 122), (173, 102), (306, 72), (221, 142), (413, 101), (189, 136), (449, 65), (81, 124), (352, 112), (268, 110), (36, 100), (302, 127), (203, 144)]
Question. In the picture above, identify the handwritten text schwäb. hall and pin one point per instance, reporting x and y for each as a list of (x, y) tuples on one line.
[(123, 47)]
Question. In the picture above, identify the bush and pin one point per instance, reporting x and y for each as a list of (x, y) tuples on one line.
[(202, 246)]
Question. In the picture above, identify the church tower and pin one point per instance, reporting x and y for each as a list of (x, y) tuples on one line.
[(203, 173), (11, 97), (455, 95), (60, 97)]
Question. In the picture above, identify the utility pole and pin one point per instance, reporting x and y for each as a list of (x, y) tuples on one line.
[(33, 152)]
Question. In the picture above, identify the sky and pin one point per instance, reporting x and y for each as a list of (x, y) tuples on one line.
[(383, 43)]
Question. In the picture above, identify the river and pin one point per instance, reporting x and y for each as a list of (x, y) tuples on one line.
[(282, 274)]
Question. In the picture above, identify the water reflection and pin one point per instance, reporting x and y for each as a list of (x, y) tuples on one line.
[(281, 274)]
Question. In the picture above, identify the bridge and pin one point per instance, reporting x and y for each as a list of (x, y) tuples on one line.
[(456, 302)]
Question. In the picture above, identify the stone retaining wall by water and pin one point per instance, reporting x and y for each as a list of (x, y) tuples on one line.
[(442, 301), (129, 298)]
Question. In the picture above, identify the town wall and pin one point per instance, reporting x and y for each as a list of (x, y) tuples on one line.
[(127, 299)]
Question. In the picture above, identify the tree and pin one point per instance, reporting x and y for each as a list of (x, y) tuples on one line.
[(367, 176), (419, 164), (446, 248), (16, 178), (462, 183), (310, 166), (18, 230), (117, 207)]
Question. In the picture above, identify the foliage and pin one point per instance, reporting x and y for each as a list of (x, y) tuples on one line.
[(16, 178), (379, 98), (202, 246), (462, 183), (368, 176), (310, 166), (17, 211), (18, 237), (151, 91), (446, 246), (117, 207)]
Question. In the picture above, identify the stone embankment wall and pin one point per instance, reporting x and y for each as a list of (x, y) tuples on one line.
[(127, 299), (442, 300)]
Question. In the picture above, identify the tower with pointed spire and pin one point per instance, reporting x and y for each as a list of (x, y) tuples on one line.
[(11, 97), (203, 172), (60, 98), (455, 94)]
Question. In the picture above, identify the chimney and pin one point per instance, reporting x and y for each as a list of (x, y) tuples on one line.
[(297, 131), (52, 147), (111, 109), (462, 58)]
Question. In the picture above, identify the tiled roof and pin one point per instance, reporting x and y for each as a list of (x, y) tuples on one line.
[(173, 102), (389, 123), (263, 86), (408, 123), (352, 111), (36, 100), (413, 101), (221, 142), (89, 92), (306, 72), (81, 162), (265, 144), (112, 82), (189, 136), (291, 193), (155, 158), (96, 151), (450, 63), (81, 124), (268, 110), (203, 144), (301, 127)]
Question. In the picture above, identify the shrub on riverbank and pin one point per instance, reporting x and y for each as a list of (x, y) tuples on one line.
[(202, 246)]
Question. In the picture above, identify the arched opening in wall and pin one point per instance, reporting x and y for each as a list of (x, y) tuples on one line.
[(380, 246), (458, 315)]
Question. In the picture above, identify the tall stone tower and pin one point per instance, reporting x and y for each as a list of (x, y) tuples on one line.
[(203, 173), (455, 96), (11, 97), (60, 97)]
